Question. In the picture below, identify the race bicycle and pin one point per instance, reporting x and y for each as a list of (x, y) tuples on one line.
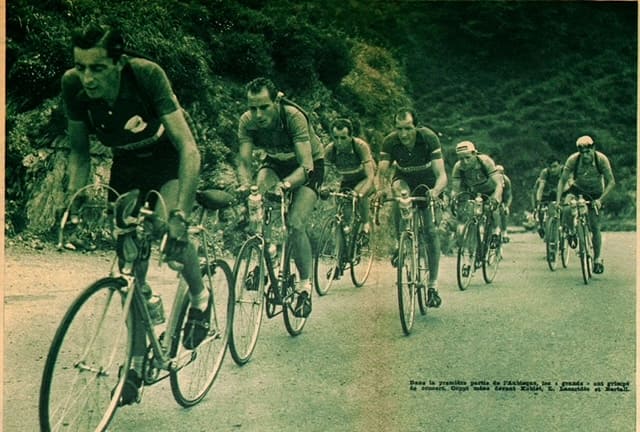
[(263, 278), (343, 244), (556, 242), (476, 248), (412, 263), (90, 355)]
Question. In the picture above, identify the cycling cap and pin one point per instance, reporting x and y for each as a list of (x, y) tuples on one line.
[(465, 147), (584, 141)]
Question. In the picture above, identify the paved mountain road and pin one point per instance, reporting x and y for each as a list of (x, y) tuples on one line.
[(352, 369)]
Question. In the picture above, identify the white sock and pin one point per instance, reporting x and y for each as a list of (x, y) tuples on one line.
[(305, 285), (136, 364), (200, 301)]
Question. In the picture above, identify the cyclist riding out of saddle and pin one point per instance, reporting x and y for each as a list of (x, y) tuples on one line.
[(589, 173), (545, 192), (353, 160), (477, 173), (416, 155), (293, 160), (128, 103)]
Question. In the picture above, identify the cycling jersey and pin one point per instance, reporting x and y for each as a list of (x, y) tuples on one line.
[(478, 178), (413, 165), (350, 165), (132, 125), (551, 183), (588, 178), (278, 142)]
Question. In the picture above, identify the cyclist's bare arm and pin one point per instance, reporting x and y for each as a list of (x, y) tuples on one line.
[(299, 176), (437, 165), (244, 163), (180, 134), (79, 158), (609, 180)]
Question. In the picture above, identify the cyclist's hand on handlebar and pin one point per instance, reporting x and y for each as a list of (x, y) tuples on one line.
[(597, 204), (177, 225)]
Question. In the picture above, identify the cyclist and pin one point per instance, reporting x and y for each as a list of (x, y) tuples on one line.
[(589, 173), (353, 160), (416, 155), (546, 185), (505, 206), (477, 173), (128, 103), (294, 160)]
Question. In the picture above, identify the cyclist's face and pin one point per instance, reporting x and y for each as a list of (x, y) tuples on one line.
[(342, 138), (99, 75), (263, 109), (587, 153), (467, 160), (406, 130), (555, 167)]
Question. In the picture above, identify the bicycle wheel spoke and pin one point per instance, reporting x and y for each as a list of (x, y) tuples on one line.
[(362, 255)]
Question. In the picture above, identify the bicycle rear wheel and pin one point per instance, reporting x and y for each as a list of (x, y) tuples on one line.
[(584, 252), (249, 280), (465, 265), (362, 255), (326, 261), (551, 242), (88, 361), (196, 369), (292, 323), (406, 279)]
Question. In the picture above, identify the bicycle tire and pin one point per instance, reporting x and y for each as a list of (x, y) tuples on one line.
[(423, 276), (491, 256), (583, 253), (248, 277), (551, 243), (362, 255), (590, 251), (81, 359), (326, 260), (191, 381), (405, 282), (563, 244), (292, 323), (465, 264)]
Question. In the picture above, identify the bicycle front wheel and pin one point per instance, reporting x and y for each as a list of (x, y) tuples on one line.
[(249, 280), (292, 323), (196, 370), (88, 361), (362, 255), (551, 243), (563, 245), (423, 276), (465, 265), (326, 261), (492, 258), (406, 279), (584, 252)]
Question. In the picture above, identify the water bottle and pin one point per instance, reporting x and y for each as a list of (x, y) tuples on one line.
[(477, 207), (154, 305), (255, 209)]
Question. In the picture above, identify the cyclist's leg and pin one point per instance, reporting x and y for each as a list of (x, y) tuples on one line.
[(398, 186), (302, 204), (363, 206), (594, 224), (433, 256)]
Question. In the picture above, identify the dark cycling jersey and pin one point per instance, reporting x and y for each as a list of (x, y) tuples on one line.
[(350, 165), (413, 165)]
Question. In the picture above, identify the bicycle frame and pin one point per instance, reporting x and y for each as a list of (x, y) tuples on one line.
[(347, 230)]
